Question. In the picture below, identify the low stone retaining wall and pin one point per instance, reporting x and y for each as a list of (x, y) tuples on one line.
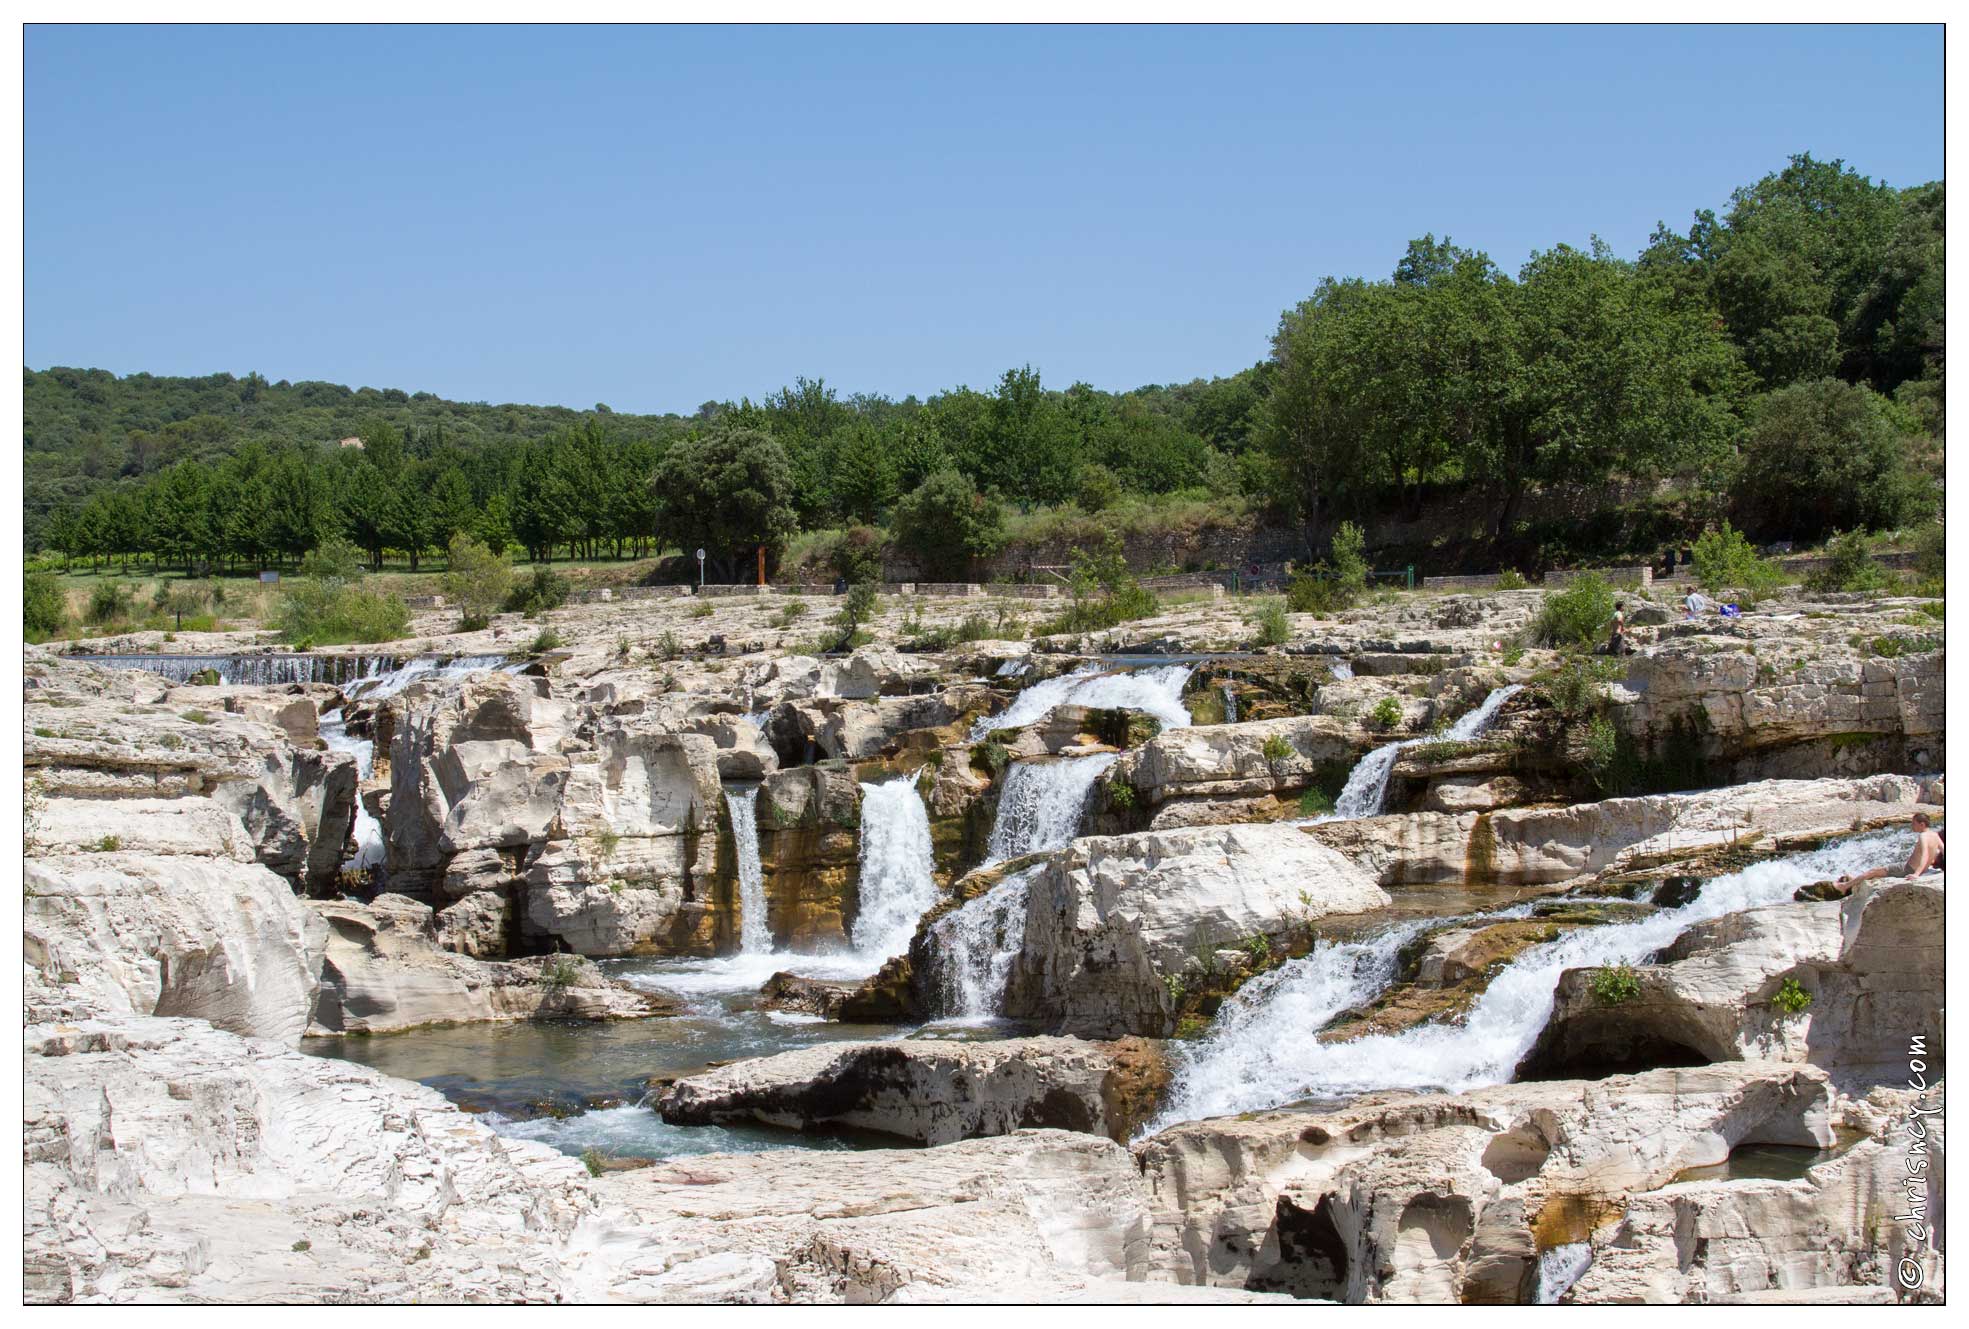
[(716, 592), (1640, 575), (1486, 581), (610, 594)]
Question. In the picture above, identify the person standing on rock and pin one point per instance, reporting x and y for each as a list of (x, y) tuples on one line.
[(1928, 850)]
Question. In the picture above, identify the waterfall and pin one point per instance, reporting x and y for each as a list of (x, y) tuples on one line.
[(1558, 1269), (281, 669), (1040, 805), (897, 882), (1260, 1052), (1157, 691), (372, 687), (1252, 1055), (1367, 784), (755, 938), (1230, 703), (368, 831), (1342, 669), (973, 948)]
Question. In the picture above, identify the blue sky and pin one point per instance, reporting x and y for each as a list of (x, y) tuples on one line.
[(654, 217)]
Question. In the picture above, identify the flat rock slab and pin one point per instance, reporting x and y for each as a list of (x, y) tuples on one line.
[(931, 1090)]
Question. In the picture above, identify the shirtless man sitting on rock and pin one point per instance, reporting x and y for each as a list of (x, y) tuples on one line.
[(1927, 854)]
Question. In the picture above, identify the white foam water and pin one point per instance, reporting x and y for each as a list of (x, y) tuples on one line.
[(1261, 1053), (973, 949), (373, 687), (898, 881), (1559, 1268), (1041, 804), (754, 937), (1367, 783), (1158, 691)]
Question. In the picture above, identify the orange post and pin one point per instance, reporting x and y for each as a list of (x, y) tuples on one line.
[(762, 565)]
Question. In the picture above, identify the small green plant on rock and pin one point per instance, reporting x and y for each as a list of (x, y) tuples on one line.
[(559, 973), (1511, 580), (1120, 795), (592, 1160), (1791, 998), (1258, 947), (303, 1246), (1277, 750), (990, 757), (1616, 985), (1387, 713), (1315, 803), (548, 640), (1270, 622)]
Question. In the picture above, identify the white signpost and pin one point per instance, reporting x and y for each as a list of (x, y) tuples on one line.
[(700, 569)]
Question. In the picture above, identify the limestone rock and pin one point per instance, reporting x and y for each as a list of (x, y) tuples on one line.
[(1445, 1198), (132, 934), (1110, 918), (931, 1091), (384, 971), (1869, 969), (1535, 846)]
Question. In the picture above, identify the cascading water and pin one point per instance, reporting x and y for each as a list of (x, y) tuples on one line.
[(1342, 669), (1260, 1053), (1367, 784), (1230, 703), (897, 868), (1041, 804), (754, 937), (335, 734), (1558, 1269), (973, 949), (1157, 691)]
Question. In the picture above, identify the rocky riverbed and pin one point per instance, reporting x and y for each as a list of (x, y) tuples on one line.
[(687, 962)]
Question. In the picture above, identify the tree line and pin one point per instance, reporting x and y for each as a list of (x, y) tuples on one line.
[(1780, 364)]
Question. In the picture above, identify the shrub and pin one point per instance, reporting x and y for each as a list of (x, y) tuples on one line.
[(1258, 947), (1577, 689), (1276, 749), (1931, 554), (1616, 985), (703, 609), (1387, 713), (545, 589), (1602, 745), (44, 609), (1349, 561), (857, 554), (548, 640), (1575, 616), (477, 580), (1790, 998), (592, 1160), (314, 613), (787, 616), (1850, 567), (1120, 794), (859, 605), (1315, 803), (1098, 488), (1512, 654), (1511, 580), (1273, 630), (990, 757), (560, 972), (1724, 560), (111, 602), (1105, 593)]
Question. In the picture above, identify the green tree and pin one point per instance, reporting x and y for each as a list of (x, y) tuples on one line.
[(730, 491), (946, 524), (43, 606), (1824, 455), (864, 472), (476, 580)]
